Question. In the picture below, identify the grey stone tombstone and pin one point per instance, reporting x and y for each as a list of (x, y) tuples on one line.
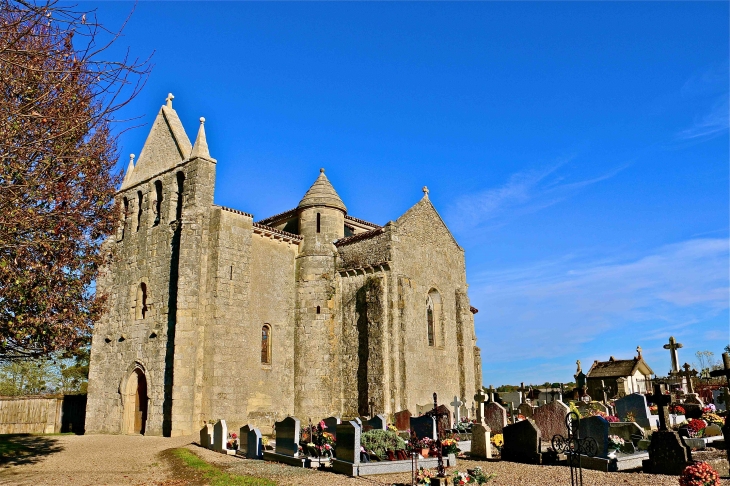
[(457, 404), (667, 454), (526, 410), (596, 427), (403, 420), (347, 447), (287, 436), (481, 444), (243, 438), (522, 443), (636, 404), (423, 427), (206, 436), (695, 399), (495, 417), (358, 421), (220, 436), (550, 419), (254, 444), (514, 397), (331, 423), (629, 431), (379, 422), (717, 399)]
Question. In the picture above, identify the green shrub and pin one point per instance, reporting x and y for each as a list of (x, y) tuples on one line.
[(380, 441)]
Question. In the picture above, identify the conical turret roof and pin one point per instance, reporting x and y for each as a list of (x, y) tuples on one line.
[(322, 194)]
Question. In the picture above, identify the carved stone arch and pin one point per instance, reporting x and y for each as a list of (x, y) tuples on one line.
[(133, 389)]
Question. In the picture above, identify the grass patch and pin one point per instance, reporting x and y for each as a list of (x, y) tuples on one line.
[(215, 475)]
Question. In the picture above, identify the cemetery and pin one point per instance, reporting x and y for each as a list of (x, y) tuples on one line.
[(662, 432)]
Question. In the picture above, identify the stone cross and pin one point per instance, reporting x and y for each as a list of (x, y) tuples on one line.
[(457, 409), (479, 400), (673, 346), (491, 391), (688, 374), (169, 99), (638, 351), (661, 401), (724, 372), (425, 191), (522, 391), (605, 389)]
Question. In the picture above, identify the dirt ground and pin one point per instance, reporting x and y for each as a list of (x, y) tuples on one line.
[(135, 460)]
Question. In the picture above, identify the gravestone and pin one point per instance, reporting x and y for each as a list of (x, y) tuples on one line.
[(358, 421), (712, 430), (457, 404), (347, 447), (243, 438), (522, 442), (550, 419), (627, 430), (220, 436), (479, 399), (495, 417), (717, 399), (481, 444), (636, 404), (667, 454), (443, 417), (331, 425), (600, 407), (596, 427), (403, 420), (287, 437), (254, 444), (423, 427), (525, 410), (206, 436), (379, 422)]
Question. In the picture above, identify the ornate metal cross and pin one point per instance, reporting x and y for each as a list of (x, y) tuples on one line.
[(726, 371), (662, 402)]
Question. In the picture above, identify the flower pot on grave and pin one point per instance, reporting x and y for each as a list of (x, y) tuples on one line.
[(424, 452)]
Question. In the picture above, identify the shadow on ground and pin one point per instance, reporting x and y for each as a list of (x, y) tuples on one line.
[(18, 449)]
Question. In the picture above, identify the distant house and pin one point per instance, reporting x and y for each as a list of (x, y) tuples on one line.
[(622, 376)]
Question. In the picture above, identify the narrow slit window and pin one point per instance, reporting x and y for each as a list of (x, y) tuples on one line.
[(230, 277), (266, 344), (125, 212), (180, 187), (318, 218), (158, 202), (141, 301), (140, 199), (318, 309)]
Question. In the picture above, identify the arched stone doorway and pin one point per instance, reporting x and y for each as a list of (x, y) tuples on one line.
[(135, 403)]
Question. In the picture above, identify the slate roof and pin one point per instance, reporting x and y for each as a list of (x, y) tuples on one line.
[(614, 368), (358, 237)]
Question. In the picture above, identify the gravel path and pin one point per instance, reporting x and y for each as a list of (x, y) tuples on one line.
[(508, 474), (135, 460), (84, 460)]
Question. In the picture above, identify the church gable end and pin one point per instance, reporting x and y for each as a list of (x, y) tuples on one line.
[(424, 223)]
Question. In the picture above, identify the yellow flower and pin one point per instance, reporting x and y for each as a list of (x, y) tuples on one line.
[(498, 440)]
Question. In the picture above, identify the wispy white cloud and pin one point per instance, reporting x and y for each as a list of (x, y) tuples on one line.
[(555, 308), (711, 124), (525, 192)]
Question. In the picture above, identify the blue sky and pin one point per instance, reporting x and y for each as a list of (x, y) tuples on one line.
[(578, 151)]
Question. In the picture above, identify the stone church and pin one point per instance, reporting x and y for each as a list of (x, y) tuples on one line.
[(311, 312)]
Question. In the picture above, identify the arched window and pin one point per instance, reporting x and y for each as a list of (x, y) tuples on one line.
[(318, 218), (318, 310), (158, 202), (139, 209), (433, 318), (266, 344), (141, 305), (429, 320)]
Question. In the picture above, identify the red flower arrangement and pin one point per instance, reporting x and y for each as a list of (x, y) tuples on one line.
[(677, 409), (699, 474), (695, 426), (612, 418)]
